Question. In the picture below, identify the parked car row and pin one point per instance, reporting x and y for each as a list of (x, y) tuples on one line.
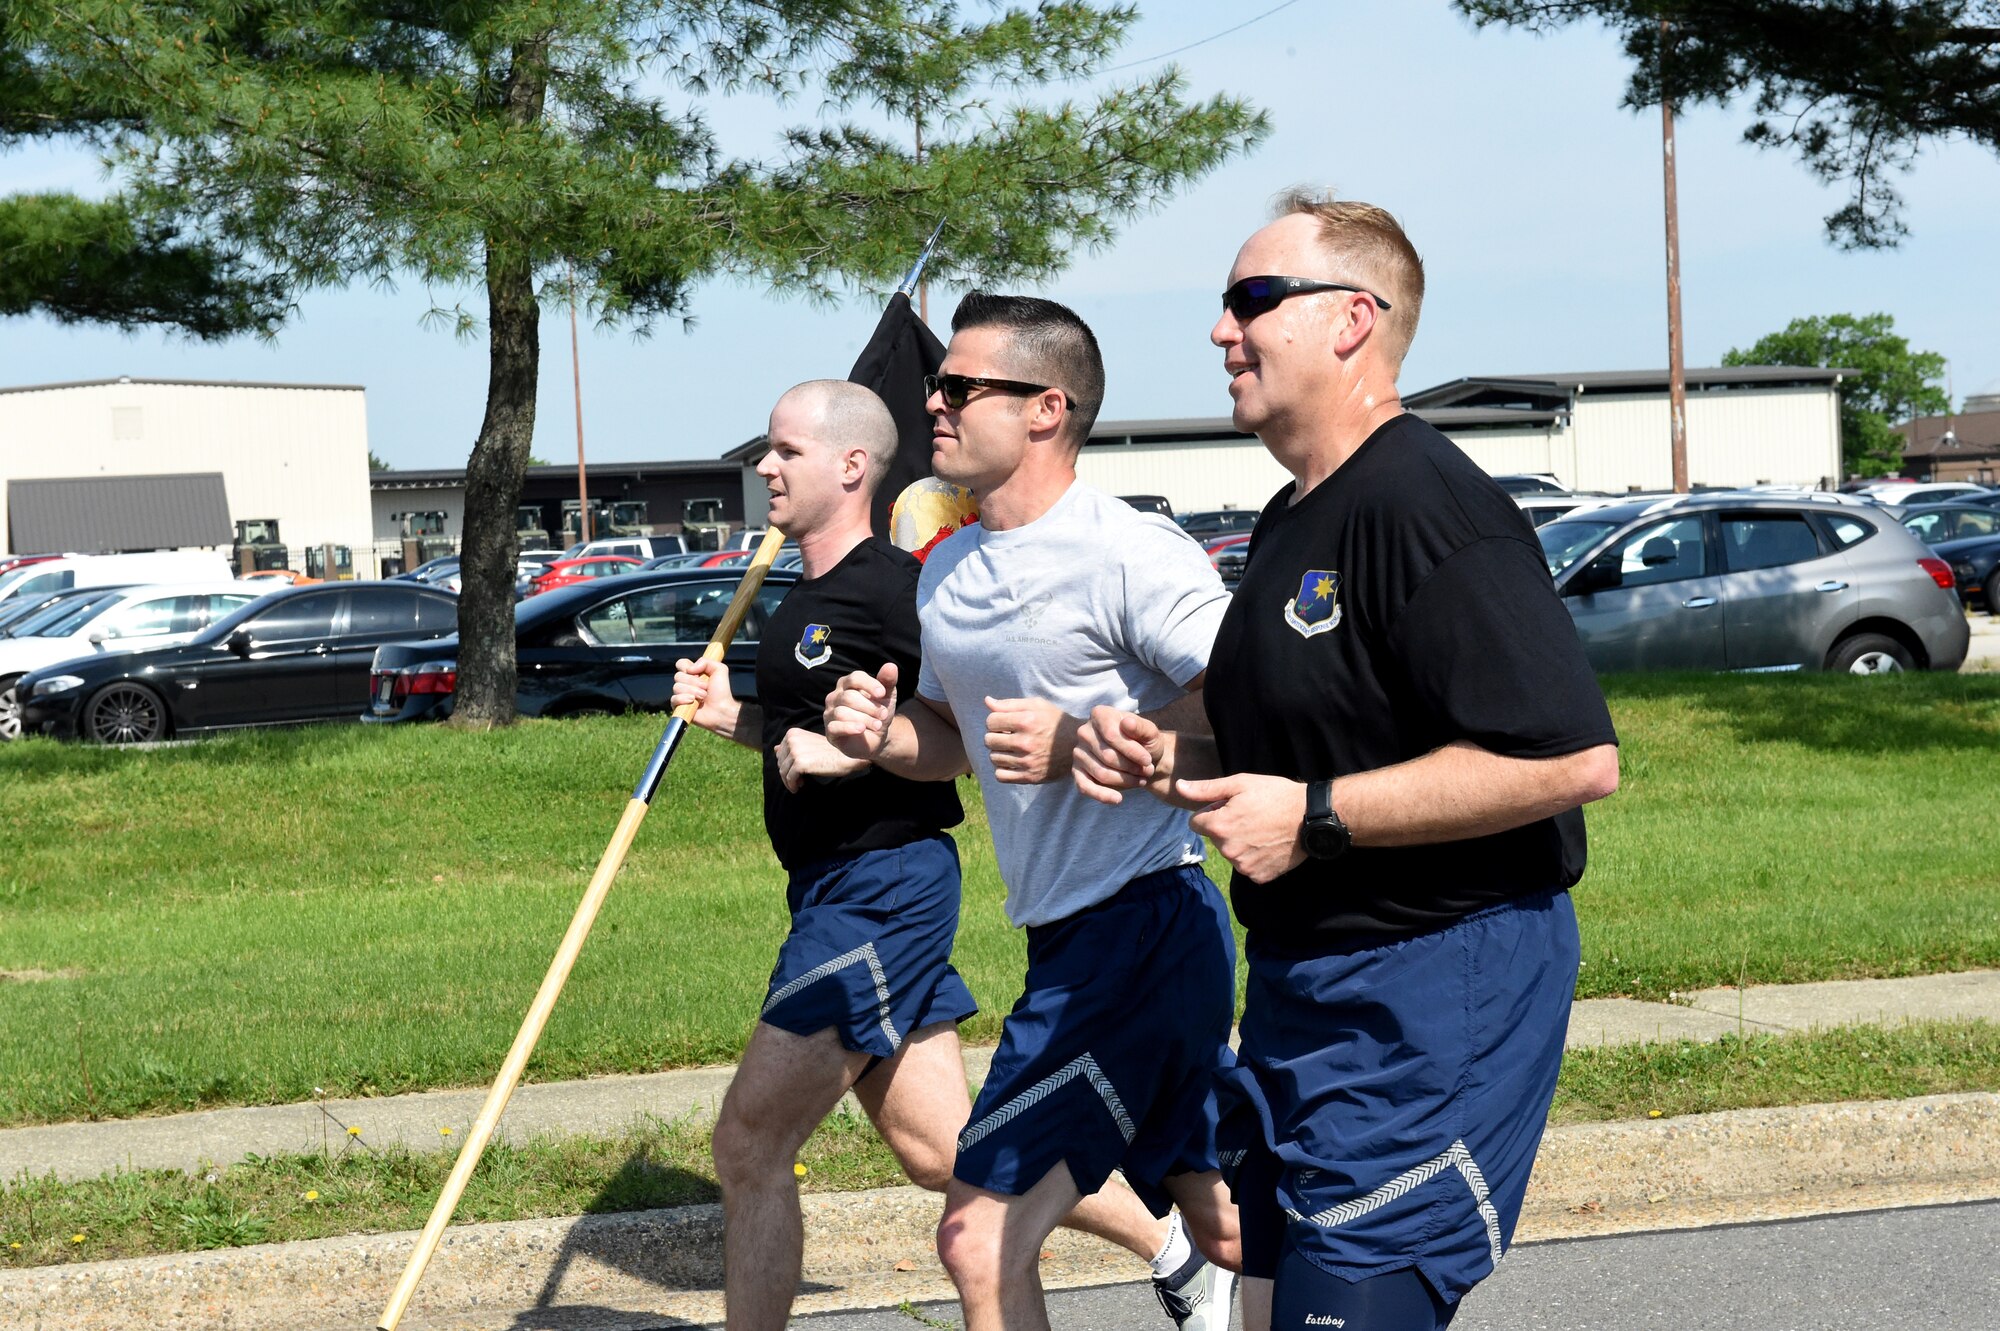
[(1711, 581), (603, 645), (387, 652)]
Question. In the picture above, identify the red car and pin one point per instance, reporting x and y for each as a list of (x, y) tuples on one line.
[(725, 558), (1227, 553), (564, 572), (8, 563)]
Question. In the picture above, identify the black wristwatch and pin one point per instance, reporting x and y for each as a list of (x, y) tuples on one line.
[(1325, 836)]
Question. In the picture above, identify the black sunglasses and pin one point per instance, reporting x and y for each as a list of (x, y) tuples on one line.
[(1256, 295), (957, 388)]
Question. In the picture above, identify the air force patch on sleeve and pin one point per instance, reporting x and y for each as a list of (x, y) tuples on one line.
[(815, 646), (1317, 606)]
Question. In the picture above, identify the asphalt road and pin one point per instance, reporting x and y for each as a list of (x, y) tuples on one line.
[(1931, 1267)]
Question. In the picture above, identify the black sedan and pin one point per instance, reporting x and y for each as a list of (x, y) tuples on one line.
[(298, 654), (1975, 567), (1934, 524), (603, 645)]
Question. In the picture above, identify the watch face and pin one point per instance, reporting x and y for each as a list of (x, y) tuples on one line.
[(1324, 841)]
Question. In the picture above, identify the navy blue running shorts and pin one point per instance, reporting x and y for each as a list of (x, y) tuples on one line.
[(869, 953), (1387, 1102), (1110, 1058)]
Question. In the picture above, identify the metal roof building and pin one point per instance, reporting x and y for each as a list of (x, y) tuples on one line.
[(136, 464), (1599, 430), (118, 513)]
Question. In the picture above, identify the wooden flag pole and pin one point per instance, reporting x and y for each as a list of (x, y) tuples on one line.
[(572, 945)]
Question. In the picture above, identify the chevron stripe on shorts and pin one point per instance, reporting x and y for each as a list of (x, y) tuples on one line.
[(1083, 1066), (1456, 1157), (866, 952)]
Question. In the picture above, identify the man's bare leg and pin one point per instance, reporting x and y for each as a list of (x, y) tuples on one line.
[(992, 1246), (785, 1085), (1255, 1293), (919, 1104), (1209, 1216)]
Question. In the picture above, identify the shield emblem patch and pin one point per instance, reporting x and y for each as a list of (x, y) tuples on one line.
[(1316, 608), (814, 646)]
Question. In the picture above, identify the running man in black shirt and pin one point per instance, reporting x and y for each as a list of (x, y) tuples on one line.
[(1405, 730), (863, 996)]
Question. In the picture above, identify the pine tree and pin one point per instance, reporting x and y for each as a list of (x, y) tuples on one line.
[(81, 260), (1857, 87)]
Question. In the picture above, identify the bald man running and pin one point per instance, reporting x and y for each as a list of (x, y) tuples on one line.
[(863, 996)]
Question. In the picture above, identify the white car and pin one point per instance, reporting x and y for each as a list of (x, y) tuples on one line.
[(119, 619), (1923, 492), (55, 575)]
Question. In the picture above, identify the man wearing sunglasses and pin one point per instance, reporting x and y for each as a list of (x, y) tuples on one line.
[(1404, 732), (1060, 599)]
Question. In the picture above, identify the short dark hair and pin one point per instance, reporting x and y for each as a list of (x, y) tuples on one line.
[(1048, 344)]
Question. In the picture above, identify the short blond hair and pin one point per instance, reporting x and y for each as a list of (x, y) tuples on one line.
[(848, 414), (1369, 248)]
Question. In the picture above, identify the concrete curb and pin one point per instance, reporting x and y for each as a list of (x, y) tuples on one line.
[(873, 1249)]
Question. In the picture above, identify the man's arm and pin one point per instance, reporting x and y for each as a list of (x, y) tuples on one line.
[(918, 740), (706, 684), (1033, 741), (1453, 793)]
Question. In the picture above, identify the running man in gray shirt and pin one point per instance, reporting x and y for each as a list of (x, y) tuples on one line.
[(1059, 600)]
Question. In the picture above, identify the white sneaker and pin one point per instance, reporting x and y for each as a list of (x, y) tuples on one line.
[(1197, 1296)]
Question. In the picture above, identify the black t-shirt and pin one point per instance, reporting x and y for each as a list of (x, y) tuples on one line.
[(859, 614), (1400, 605)]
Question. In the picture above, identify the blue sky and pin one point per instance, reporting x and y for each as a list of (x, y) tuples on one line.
[(1535, 201)]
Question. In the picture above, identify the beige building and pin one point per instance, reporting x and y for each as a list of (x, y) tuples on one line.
[(148, 463), (1751, 425)]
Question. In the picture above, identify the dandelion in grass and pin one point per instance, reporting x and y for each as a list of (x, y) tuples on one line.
[(13, 1247), (354, 1131), (76, 1238), (444, 1132), (1654, 1113), (312, 1194), (798, 1170)]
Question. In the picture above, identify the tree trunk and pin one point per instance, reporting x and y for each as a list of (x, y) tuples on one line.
[(493, 477), (487, 673)]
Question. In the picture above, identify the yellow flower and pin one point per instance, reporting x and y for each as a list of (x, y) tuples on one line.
[(444, 1132), (798, 1170), (1653, 1113), (312, 1194), (76, 1238), (14, 1247), (354, 1132)]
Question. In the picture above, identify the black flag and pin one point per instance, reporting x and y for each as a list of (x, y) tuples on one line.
[(894, 364)]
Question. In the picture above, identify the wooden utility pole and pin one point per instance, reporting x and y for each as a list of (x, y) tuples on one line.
[(576, 383), (923, 288), (1676, 368)]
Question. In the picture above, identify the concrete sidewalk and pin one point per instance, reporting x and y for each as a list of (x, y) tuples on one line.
[(607, 1105)]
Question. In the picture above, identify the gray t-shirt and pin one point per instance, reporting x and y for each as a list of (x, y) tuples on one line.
[(1093, 603)]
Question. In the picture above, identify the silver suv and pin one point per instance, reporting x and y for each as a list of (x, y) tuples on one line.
[(1740, 581)]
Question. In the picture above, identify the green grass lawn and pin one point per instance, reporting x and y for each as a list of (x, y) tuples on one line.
[(370, 910)]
